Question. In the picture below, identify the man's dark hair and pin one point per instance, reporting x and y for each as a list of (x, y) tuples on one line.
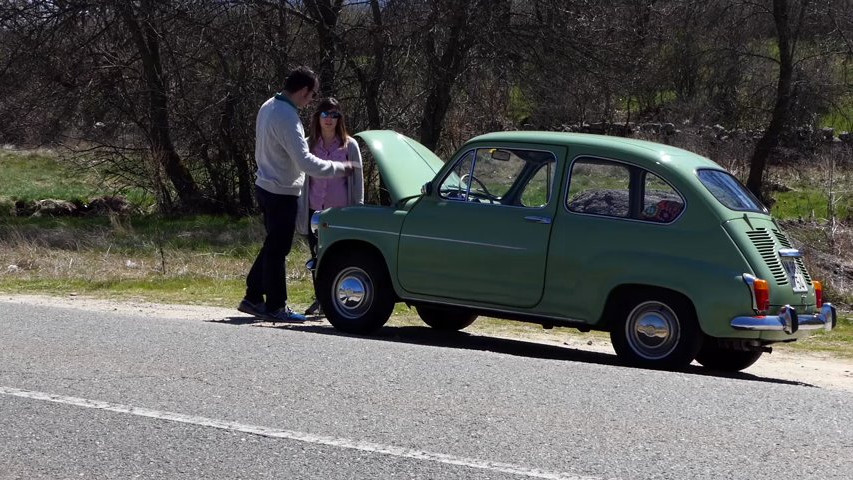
[(300, 78)]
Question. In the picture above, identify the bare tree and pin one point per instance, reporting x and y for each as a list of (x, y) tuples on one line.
[(140, 20), (787, 35), (448, 37), (370, 69)]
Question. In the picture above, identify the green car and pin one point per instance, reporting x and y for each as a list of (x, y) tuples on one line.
[(659, 246)]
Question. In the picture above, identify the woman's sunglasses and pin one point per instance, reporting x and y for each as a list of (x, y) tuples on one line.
[(330, 114)]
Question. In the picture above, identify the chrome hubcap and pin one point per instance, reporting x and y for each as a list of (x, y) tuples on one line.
[(352, 292), (652, 330)]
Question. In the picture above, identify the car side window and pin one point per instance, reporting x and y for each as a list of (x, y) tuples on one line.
[(454, 186), (661, 203), (501, 176), (599, 187), (537, 191)]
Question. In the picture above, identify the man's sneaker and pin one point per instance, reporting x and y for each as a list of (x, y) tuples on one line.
[(314, 309), (255, 309), (285, 314)]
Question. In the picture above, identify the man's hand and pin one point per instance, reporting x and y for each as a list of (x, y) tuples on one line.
[(349, 166)]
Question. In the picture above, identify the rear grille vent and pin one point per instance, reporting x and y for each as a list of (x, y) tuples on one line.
[(783, 240), (767, 249)]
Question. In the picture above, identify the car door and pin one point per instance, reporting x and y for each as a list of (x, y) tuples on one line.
[(482, 233)]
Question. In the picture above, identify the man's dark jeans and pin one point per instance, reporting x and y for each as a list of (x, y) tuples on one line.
[(268, 275)]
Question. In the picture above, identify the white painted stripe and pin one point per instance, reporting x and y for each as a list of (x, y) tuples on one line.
[(466, 242), (358, 229), (298, 436), (425, 237)]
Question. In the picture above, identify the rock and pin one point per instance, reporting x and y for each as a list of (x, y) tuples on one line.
[(108, 204), (650, 127), (23, 209), (54, 208)]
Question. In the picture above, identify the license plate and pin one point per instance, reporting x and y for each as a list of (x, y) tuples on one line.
[(795, 276)]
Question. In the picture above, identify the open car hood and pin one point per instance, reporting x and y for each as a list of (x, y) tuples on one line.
[(405, 165)]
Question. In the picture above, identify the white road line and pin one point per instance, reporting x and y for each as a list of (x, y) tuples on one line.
[(298, 436)]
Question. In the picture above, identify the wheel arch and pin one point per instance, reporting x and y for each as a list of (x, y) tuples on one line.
[(356, 247), (625, 293)]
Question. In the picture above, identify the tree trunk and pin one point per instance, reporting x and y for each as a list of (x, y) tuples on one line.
[(325, 13), (787, 40), (443, 70), (370, 82), (162, 148), (374, 84)]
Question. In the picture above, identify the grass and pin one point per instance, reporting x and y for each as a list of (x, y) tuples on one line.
[(841, 117), (837, 342), (204, 259), (36, 175), (807, 195)]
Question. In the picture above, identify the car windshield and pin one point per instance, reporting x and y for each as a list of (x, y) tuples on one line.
[(729, 191)]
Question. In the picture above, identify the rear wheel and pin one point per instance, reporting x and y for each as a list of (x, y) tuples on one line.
[(356, 292), (446, 318), (657, 331), (725, 360)]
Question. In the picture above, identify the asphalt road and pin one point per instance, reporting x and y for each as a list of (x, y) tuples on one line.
[(95, 395)]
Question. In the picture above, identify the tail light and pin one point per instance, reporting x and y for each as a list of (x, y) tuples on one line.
[(818, 293), (761, 291)]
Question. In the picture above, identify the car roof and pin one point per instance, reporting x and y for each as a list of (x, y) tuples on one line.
[(663, 155)]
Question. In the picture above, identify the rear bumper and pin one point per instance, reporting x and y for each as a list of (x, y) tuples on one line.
[(788, 321)]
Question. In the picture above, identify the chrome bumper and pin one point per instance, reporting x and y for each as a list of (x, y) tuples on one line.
[(788, 321)]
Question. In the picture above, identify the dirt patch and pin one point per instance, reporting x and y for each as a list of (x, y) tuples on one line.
[(815, 369)]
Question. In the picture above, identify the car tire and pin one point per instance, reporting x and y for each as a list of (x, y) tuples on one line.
[(446, 318), (657, 331), (356, 292), (725, 360)]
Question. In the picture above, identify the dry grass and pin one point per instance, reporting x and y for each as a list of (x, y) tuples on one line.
[(191, 261)]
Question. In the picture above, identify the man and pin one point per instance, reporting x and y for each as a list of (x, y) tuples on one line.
[(283, 158)]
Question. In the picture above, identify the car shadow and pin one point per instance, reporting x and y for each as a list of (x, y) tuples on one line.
[(417, 335)]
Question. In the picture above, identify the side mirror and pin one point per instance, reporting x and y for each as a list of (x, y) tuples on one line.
[(315, 222), (426, 189)]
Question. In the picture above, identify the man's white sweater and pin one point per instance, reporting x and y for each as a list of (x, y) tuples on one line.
[(281, 150)]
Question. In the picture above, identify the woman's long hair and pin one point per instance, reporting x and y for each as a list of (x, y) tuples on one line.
[(325, 105)]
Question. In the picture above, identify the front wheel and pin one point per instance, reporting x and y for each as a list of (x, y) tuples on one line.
[(446, 318), (356, 292), (725, 360), (660, 331)]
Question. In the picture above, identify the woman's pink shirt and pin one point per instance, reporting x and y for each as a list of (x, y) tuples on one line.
[(328, 192)]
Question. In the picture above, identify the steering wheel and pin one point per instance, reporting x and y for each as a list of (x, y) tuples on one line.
[(485, 194)]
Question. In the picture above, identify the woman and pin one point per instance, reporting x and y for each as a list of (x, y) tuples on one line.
[(329, 140)]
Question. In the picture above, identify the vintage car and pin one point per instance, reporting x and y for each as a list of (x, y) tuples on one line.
[(659, 246)]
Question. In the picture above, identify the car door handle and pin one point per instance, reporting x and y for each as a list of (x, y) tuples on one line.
[(536, 219)]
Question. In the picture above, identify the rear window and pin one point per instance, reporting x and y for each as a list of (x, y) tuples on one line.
[(729, 191)]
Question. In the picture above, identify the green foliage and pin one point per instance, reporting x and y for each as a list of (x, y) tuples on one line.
[(841, 119), (647, 100), (520, 107)]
